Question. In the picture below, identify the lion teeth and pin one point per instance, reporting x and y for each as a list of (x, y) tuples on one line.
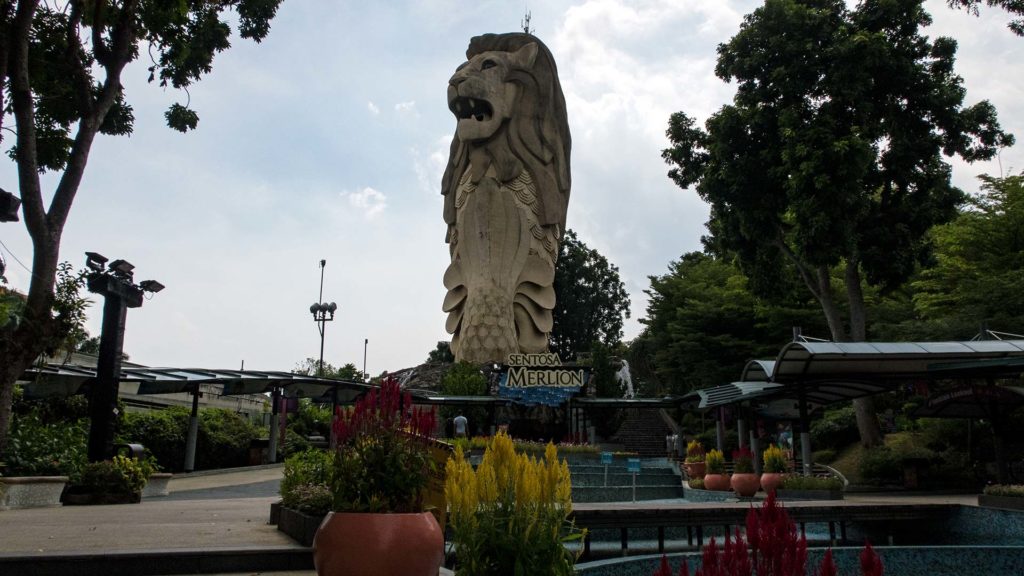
[(472, 104), (458, 106)]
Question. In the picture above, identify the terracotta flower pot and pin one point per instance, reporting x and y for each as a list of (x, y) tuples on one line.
[(356, 544), (770, 481), (745, 484), (719, 482), (694, 469)]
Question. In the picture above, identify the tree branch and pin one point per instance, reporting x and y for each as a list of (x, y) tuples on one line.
[(6, 10), (805, 274), (25, 121), (99, 49), (88, 126), (73, 55)]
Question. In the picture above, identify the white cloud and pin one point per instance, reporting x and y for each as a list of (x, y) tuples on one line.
[(371, 202), (406, 107), (373, 108)]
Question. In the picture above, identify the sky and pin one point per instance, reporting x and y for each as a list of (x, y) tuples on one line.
[(328, 141)]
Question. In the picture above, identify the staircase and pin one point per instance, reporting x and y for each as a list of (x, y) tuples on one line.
[(593, 482), (643, 431)]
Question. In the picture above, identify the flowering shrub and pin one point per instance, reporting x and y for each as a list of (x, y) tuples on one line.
[(119, 475), (743, 461), (382, 462), (774, 550), (774, 461), (694, 452), (305, 481), (715, 462), (510, 515)]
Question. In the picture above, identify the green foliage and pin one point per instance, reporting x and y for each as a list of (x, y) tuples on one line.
[(162, 432), (382, 462), (704, 324), (464, 379), (836, 429), (40, 448), (591, 299), (697, 483), (306, 479), (311, 420), (1011, 490), (714, 462), (831, 155), (1012, 6), (311, 367), (881, 465), (694, 452), (825, 456), (797, 482), (442, 353), (294, 443), (774, 461), (120, 475), (223, 441), (979, 266)]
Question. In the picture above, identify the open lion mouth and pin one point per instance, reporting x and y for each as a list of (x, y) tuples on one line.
[(465, 108)]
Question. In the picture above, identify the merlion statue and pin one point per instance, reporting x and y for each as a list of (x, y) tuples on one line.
[(506, 189)]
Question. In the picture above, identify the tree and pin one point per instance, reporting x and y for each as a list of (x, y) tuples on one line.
[(442, 353), (1011, 6), (464, 379), (979, 269), (831, 154), (591, 299), (61, 64), (311, 367), (703, 323)]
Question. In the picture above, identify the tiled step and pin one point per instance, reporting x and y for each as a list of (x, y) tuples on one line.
[(624, 479), (625, 493)]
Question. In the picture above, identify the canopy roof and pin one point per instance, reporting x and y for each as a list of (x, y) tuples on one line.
[(803, 361), (68, 380)]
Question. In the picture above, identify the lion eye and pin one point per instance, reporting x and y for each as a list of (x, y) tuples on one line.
[(488, 64)]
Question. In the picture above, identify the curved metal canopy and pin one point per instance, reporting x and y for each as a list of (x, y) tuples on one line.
[(67, 380)]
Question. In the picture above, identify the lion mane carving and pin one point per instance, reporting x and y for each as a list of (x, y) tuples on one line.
[(506, 191)]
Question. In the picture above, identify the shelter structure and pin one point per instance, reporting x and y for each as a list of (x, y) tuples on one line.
[(817, 373), (55, 380)]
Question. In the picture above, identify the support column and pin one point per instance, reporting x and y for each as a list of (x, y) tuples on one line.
[(720, 430), (741, 427), (805, 434), (272, 448), (193, 432)]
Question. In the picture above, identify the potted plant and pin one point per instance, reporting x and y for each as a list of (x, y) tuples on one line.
[(774, 468), (715, 477), (305, 494), (744, 482), (382, 464), (511, 514), (116, 481), (40, 459), (157, 482), (694, 462)]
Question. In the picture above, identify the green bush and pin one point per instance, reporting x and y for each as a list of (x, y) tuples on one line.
[(1011, 490), (121, 475), (826, 456), (223, 441), (797, 482), (162, 432), (836, 429), (310, 420), (312, 499), (881, 465), (697, 483), (294, 443), (38, 449), (309, 468)]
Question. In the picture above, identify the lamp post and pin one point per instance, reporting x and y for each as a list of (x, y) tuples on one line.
[(116, 284), (320, 311), (366, 377)]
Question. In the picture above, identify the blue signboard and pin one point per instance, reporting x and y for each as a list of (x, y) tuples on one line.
[(606, 458), (633, 465)]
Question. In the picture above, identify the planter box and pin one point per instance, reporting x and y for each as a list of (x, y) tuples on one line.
[(1004, 502), (31, 491), (81, 496), (275, 513), (299, 526), (158, 485), (783, 494)]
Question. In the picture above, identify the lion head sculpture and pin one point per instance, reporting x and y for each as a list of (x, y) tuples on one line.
[(506, 191), (513, 84)]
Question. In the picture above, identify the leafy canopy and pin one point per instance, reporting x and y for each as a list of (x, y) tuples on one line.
[(591, 299)]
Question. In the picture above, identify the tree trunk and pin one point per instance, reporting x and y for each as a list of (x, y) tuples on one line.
[(864, 408)]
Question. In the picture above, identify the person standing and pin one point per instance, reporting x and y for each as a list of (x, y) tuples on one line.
[(461, 426)]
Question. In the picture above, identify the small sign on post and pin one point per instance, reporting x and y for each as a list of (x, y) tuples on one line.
[(606, 459), (633, 466)]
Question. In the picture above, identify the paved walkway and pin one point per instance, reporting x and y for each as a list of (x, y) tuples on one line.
[(226, 511)]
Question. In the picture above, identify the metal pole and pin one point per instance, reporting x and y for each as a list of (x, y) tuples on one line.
[(193, 432), (103, 396), (272, 449), (366, 342), (323, 318)]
